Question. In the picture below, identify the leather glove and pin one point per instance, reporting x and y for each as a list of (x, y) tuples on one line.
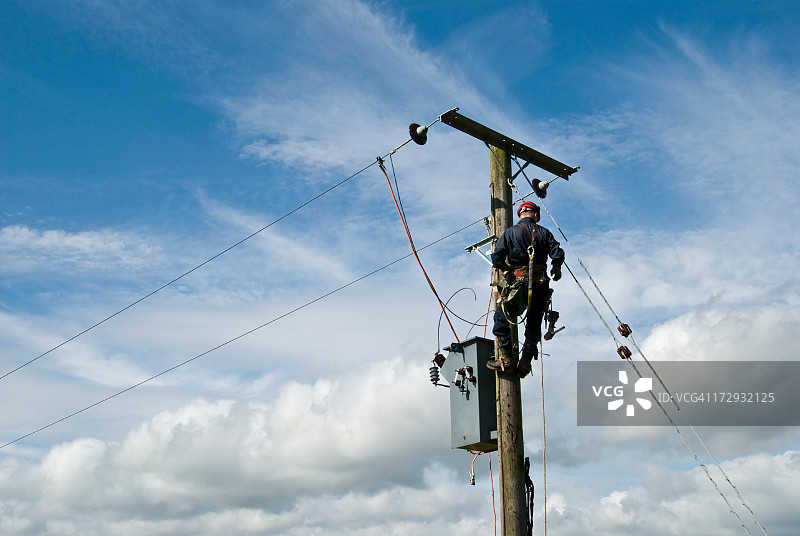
[(555, 271)]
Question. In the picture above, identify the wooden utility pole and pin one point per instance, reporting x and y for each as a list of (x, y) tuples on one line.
[(510, 445)]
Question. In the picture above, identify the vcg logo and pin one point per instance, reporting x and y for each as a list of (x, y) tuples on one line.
[(617, 392)]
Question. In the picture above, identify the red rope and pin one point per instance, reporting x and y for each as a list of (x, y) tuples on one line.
[(414, 251)]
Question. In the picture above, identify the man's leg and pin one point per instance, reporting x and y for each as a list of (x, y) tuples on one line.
[(533, 330), (502, 330)]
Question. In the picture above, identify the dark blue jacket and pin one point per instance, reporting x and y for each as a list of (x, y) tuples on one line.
[(513, 246)]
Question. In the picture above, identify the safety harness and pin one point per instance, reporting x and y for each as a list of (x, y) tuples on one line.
[(524, 273)]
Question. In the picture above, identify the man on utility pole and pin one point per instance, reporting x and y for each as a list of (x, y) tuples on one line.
[(521, 253), (510, 445)]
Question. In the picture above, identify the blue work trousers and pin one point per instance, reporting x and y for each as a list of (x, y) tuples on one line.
[(533, 322)]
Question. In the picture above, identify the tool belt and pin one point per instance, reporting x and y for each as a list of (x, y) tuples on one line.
[(513, 288), (537, 271)]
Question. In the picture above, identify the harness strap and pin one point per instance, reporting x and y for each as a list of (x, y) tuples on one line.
[(531, 235), (528, 272)]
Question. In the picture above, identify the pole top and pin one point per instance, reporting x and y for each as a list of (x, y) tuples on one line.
[(512, 147)]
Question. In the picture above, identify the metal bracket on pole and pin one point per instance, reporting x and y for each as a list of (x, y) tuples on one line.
[(520, 170), (512, 147), (478, 245)]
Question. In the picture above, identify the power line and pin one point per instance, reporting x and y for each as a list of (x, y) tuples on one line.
[(245, 334), (162, 287)]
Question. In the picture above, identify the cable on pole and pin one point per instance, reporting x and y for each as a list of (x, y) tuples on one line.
[(491, 480)]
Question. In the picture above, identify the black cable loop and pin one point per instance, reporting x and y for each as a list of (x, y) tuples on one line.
[(477, 323), (471, 324), (529, 495), (441, 315)]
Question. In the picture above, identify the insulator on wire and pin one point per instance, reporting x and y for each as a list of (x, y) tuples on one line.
[(418, 133), (624, 352), (540, 187), (624, 330)]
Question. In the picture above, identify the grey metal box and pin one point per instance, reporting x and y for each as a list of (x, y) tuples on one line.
[(473, 408)]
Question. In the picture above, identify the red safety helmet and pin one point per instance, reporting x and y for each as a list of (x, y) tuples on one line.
[(527, 205)]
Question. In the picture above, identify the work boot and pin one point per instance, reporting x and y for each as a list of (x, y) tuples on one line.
[(505, 363), (524, 366), (529, 353)]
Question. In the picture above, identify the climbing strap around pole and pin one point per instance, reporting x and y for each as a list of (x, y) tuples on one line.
[(529, 492)]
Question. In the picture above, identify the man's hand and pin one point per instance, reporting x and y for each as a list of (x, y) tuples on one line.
[(555, 271)]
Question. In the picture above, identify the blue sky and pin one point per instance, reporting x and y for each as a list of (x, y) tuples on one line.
[(138, 139)]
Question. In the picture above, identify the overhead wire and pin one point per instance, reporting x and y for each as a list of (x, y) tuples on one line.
[(165, 285), (249, 332), (221, 253)]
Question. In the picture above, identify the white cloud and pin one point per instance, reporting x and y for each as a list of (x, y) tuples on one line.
[(26, 249), (337, 457), (736, 128), (677, 502), (307, 457), (346, 452)]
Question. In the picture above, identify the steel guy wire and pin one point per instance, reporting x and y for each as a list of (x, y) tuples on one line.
[(705, 447), (249, 332), (669, 418), (655, 373), (221, 253), (696, 458)]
